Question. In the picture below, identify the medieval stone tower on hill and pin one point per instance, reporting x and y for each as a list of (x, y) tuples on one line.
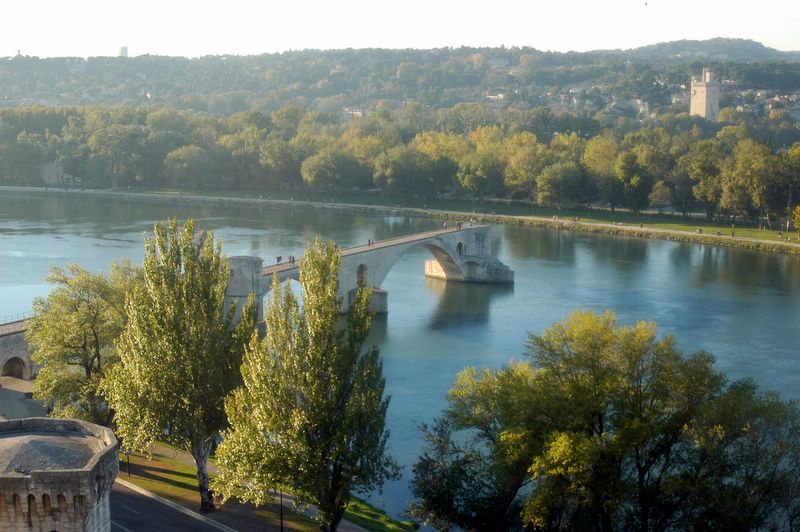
[(706, 93)]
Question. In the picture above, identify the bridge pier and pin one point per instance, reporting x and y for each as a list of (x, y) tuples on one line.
[(378, 303), (474, 270)]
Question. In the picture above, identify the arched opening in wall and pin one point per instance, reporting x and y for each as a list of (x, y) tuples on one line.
[(14, 367), (361, 275), (33, 515), (62, 506), (460, 248), (48, 509)]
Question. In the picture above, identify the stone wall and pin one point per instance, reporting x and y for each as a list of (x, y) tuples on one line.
[(14, 346), (66, 500)]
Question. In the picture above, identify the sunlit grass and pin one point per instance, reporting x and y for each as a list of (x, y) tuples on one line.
[(167, 476), (364, 514)]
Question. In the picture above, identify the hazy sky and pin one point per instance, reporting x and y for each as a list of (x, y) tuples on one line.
[(52, 28)]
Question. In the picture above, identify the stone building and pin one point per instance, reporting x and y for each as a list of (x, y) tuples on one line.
[(706, 93), (15, 355), (56, 474)]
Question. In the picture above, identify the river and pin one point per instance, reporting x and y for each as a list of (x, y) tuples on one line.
[(740, 305)]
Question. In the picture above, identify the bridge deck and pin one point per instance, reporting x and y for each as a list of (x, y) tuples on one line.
[(13, 327), (286, 266)]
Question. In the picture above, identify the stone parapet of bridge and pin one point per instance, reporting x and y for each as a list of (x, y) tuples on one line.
[(461, 253)]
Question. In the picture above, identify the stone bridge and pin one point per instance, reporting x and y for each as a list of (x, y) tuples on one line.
[(15, 356), (460, 253)]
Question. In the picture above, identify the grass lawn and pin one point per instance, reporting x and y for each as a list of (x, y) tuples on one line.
[(169, 475), (172, 479)]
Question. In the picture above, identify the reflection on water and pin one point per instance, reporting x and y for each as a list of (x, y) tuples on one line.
[(539, 243), (463, 304)]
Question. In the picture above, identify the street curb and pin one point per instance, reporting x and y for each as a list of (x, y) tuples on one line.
[(175, 506)]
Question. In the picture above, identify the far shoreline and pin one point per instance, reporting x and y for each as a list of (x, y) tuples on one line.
[(560, 223)]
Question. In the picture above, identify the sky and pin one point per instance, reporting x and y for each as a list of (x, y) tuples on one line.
[(86, 28)]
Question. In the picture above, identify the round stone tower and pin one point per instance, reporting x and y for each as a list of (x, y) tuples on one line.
[(56, 474)]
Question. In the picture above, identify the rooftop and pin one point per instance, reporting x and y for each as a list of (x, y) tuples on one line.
[(31, 445), (46, 451)]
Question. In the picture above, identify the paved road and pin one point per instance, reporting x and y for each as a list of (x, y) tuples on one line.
[(132, 512), (13, 404)]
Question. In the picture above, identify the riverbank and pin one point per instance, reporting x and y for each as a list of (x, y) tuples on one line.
[(642, 227)]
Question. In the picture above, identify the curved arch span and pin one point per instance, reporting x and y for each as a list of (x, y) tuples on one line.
[(14, 367)]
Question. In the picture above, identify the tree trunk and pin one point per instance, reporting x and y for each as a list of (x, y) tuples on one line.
[(200, 452)]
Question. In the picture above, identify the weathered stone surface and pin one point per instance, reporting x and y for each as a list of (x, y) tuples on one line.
[(13, 346), (36, 494)]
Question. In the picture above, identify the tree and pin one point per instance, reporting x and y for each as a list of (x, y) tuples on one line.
[(180, 351), (406, 171), (618, 430), (72, 335), (791, 168), (563, 183), (526, 159), (701, 164), (117, 148), (311, 413), (474, 484), (660, 195), (332, 169), (598, 158), (196, 166), (751, 181), (635, 182)]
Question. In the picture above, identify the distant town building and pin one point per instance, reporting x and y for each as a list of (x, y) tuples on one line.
[(56, 474), (706, 94), (123, 51)]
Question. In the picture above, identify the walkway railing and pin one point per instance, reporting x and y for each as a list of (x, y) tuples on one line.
[(456, 227)]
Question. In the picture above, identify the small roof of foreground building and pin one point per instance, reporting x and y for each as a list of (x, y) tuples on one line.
[(45, 444), (46, 451)]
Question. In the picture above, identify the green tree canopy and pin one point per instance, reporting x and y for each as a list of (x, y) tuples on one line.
[(611, 428), (180, 351), (311, 413), (72, 335)]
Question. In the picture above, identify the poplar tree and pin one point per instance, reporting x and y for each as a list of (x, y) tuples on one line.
[(310, 415), (180, 352)]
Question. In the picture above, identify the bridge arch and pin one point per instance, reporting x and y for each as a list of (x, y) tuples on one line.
[(15, 367), (461, 254)]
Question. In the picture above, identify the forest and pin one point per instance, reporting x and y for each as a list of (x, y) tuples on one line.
[(684, 164), (568, 130)]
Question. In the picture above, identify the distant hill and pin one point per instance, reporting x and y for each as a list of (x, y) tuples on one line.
[(715, 49), (336, 81)]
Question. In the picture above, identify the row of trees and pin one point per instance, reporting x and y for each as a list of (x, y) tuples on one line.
[(550, 159), (155, 353), (609, 427)]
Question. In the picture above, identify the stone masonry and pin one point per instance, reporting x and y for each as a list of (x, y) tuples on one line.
[(56, 474)]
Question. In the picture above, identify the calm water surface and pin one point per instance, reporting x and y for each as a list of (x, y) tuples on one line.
[(742, 306)]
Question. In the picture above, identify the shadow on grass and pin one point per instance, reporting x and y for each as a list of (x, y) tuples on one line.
[(159, 474)]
